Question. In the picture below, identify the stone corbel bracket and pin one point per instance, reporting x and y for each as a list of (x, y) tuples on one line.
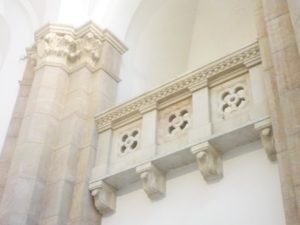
[(104, 197), (209, 161), (153, 180), (265, 130)]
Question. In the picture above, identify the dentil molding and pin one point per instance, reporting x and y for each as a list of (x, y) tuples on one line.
[(244, 58)]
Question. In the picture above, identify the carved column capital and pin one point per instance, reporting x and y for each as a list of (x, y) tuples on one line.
[(265, 130), (104, 197), (70, 48), (153, 180), (209, 161)]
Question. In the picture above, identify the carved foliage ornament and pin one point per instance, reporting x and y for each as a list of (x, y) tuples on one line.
[(66, 49)]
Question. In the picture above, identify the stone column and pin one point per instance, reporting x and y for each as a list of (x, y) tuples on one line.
[(103, 80), (282, 65), (14, 126), (75, 77), (26, 182), (294, 8)]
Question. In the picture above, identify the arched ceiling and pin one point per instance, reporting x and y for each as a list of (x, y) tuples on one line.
[(158, 38), (164, 37)]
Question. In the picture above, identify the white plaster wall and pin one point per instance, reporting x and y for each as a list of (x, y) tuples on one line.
[(171, 37), (17, 34), (158, 39), (221, 27), (18, 21), (249, 194)]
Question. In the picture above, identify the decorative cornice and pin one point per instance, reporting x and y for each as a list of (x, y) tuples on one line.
[(71, 48), (186, 83)]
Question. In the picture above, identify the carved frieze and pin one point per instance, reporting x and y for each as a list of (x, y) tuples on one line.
[(184, 84)]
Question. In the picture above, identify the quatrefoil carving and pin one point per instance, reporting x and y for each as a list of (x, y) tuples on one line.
[(129, 141), (178, 121), (233, 99)]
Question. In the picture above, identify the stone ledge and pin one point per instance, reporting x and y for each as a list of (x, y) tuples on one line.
[(222, 142)]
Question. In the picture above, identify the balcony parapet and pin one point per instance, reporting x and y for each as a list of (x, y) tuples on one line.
[(197, 117)]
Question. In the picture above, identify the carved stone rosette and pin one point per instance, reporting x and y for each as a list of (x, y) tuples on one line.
[(104, 197), (209, 161), (266, 135), (153, 180)]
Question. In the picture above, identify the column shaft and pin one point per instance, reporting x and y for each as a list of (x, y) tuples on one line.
[(282, 65)]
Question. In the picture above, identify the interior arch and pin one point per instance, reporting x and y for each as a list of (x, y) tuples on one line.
[(169, 37), (155, 53)]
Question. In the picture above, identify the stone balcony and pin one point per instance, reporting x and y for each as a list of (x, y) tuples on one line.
[(196, 117)]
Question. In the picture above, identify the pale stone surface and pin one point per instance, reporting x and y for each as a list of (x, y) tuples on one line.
[(55, 142), (104, 197), (148, 138), (158, 129), (126, 147), (230, 103), (209, 161), (103, 152), (294, 9), (278, 41), (266, 134), (201, 117), (174, 122), (154, 181), (58, 153), (258, 93)]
